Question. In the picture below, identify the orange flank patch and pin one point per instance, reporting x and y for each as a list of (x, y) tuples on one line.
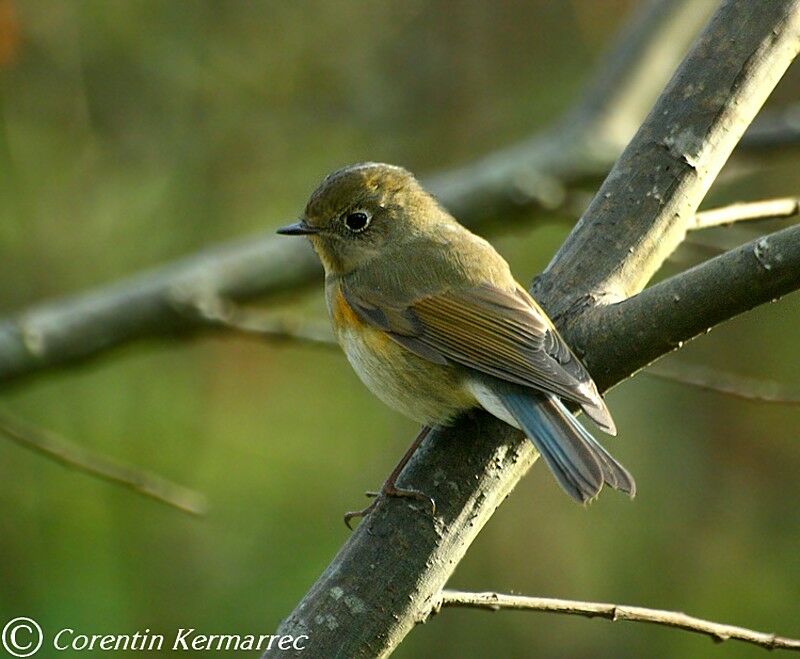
[(345, 318), (343, 314)]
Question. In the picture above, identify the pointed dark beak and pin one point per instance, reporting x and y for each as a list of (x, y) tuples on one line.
[(299, 228)]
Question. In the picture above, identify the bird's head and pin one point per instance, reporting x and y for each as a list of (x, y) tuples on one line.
[(361, 212)]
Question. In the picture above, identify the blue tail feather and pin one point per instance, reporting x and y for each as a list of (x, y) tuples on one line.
[(580, 464)]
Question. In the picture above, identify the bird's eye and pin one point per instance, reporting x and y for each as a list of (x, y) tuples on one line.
[(357, 221)]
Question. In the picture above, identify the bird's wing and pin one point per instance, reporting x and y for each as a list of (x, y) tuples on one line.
[(499, 333)]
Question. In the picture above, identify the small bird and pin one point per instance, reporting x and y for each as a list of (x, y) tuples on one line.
[(434, 323)]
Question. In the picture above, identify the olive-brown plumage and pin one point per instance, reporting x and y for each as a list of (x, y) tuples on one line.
[(434, 323)]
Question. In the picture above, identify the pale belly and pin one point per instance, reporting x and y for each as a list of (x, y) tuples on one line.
[(430, 393)]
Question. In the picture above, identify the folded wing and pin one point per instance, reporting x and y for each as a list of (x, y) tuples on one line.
[(499, 333)]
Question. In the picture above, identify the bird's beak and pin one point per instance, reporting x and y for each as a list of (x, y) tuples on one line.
[(299, 228)]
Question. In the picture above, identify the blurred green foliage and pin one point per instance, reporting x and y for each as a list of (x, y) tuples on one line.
[(134, 132)]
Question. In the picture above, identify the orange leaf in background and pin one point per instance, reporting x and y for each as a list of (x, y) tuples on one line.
[(9, 34)]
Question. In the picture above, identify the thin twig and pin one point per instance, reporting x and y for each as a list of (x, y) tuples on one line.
[(717, 631), (752, 210), (723, 382), (76, 457)]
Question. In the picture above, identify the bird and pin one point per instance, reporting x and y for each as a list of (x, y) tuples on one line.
[(434, 323)]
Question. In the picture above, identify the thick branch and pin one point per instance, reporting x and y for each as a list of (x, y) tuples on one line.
[(387, 574), (614, 612), (225, 314), (640, 215), (661, 318), (537, 173), (470, 468)]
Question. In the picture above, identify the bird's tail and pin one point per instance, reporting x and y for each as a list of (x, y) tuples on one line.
[(578, 461)]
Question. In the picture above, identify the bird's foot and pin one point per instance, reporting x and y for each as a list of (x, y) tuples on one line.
[(389, 490)]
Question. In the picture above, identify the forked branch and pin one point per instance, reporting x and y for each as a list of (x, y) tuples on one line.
[(640, 214)]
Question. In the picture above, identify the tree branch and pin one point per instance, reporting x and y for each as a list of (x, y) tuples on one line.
[(723, 382), (664, 316), (768, 209), (78, 458), (614, 612), (672, 160), (226, 314), (536, 174), (388, 573)]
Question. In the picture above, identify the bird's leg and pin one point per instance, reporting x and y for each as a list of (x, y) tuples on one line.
[(390, 488)]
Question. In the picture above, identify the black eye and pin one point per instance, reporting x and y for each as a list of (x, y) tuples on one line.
[(357, 221)]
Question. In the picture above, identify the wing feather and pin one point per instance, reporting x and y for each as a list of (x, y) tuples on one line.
[(502, 334)]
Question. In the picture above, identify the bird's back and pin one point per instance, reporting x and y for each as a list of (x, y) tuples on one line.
[(445, 256)]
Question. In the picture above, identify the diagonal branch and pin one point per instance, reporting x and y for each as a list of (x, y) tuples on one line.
[(614, 612), (723, 382), (539, 173), (470, 468), (78, 458), (640, 214), (664, 316)]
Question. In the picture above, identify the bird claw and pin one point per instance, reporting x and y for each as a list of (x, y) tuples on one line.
[(389, 491)]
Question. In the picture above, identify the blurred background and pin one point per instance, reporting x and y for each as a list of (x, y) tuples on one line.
[(132, 133)]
